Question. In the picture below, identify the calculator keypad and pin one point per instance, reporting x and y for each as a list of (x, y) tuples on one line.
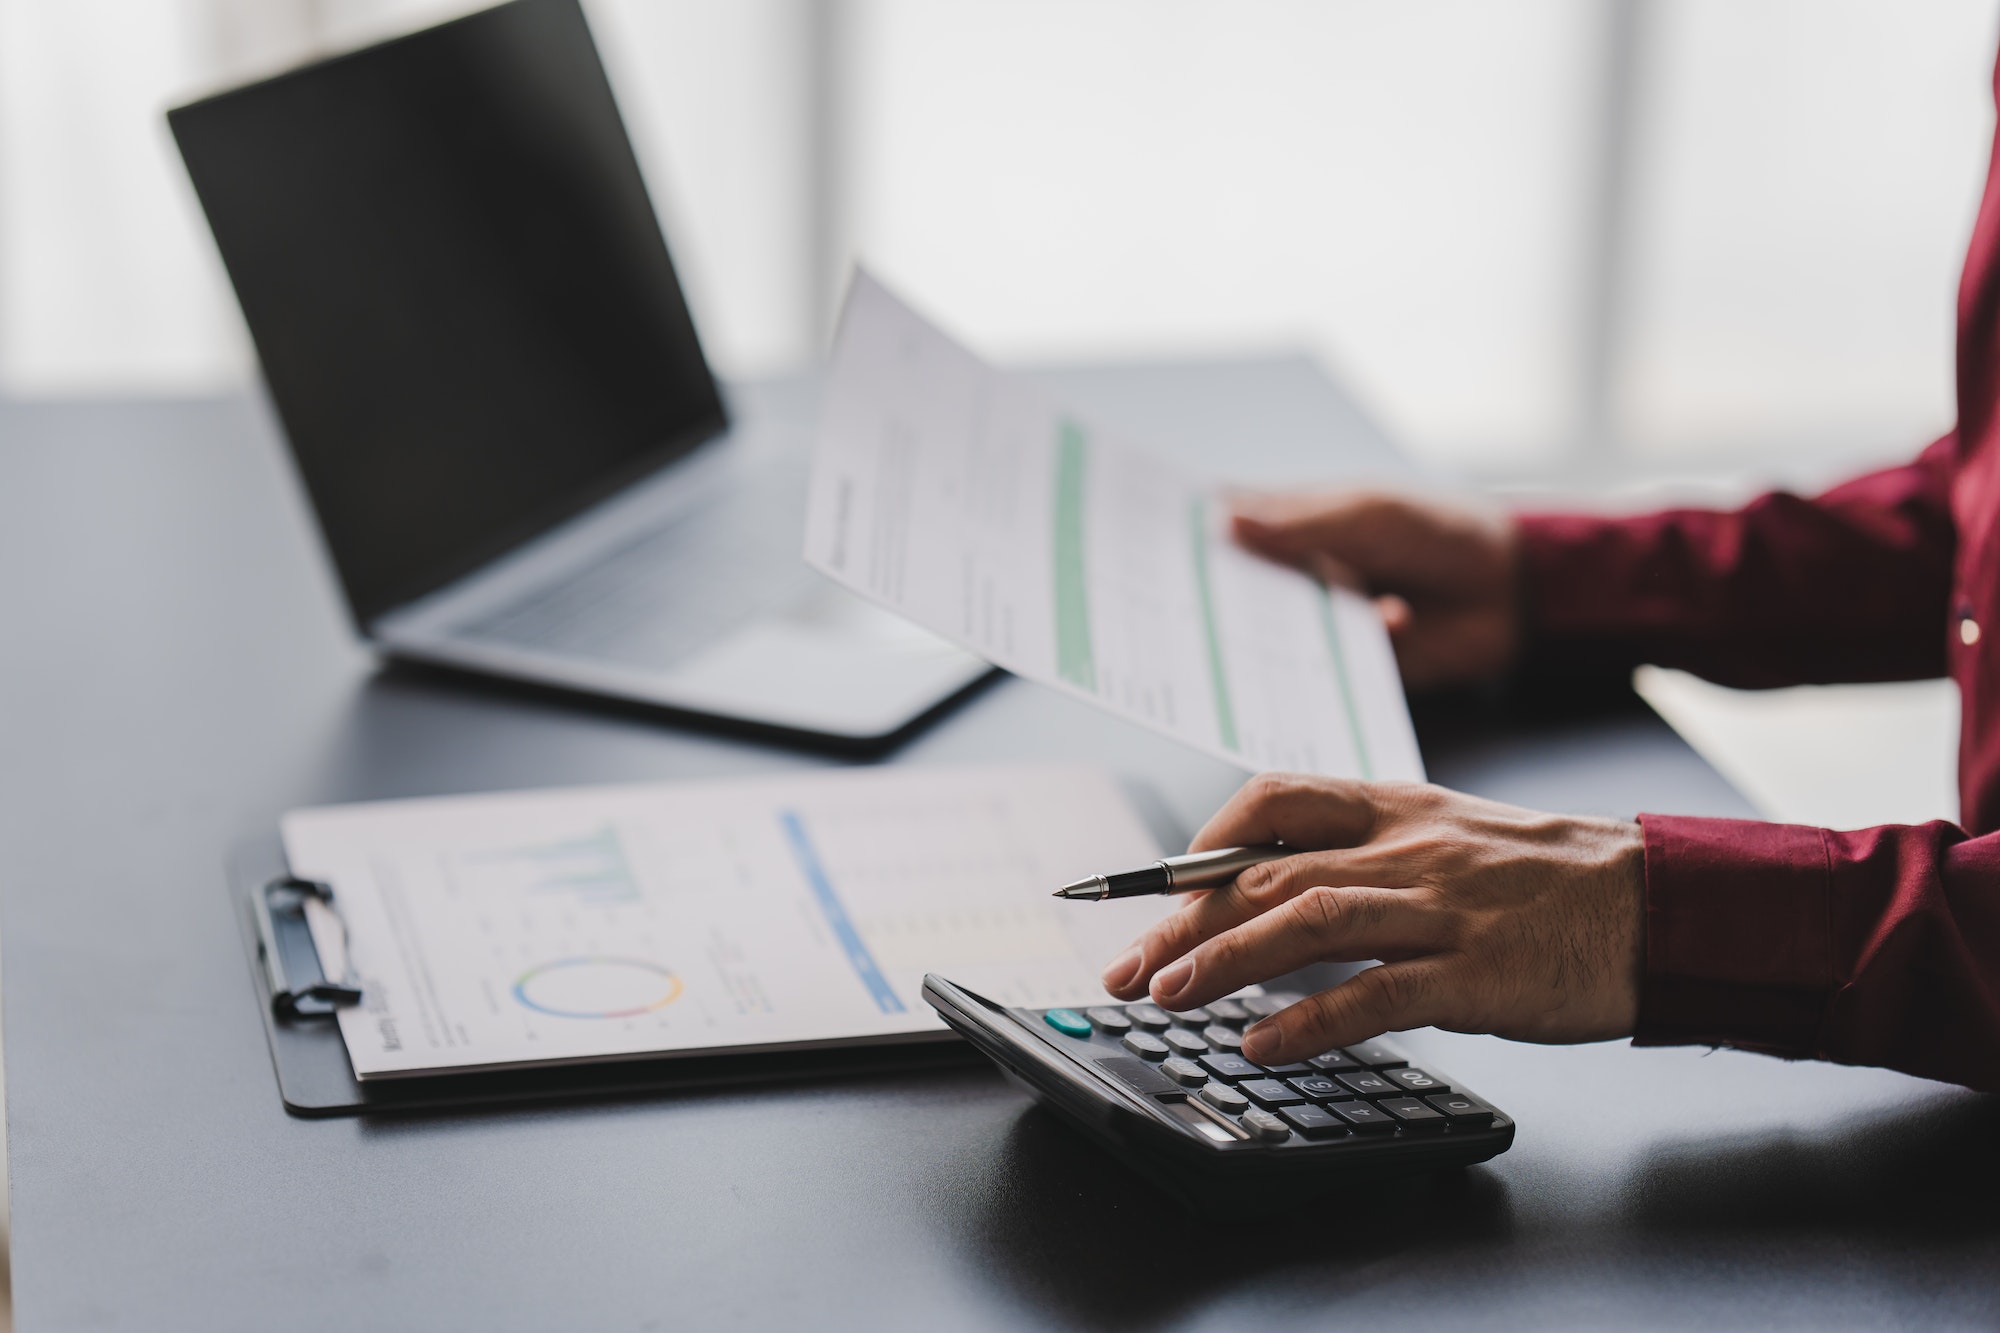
[(1229, 1068), (1225, 1098), (1418, 1082), (1319, 1087), (1108, 1019), (1363, 1117), (1269, 1092), (1185, 1042), (1315, 1122), (1412, 1113), (1370, 1090), (1230, 1012), (1266, 1126), (1366, 1084), (1222, 1038)]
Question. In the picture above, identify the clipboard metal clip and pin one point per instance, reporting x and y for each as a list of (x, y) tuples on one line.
[(304, 944)]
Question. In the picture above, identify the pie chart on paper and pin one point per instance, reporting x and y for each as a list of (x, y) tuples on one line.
[(595, 986)]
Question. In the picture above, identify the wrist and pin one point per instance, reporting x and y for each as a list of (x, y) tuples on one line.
[(1626, 892)]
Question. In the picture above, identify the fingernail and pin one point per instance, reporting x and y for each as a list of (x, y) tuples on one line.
[(1262, 1039), (1123, 971), (1174, 979)]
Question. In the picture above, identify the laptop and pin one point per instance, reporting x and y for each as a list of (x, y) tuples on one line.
[(489, 379)]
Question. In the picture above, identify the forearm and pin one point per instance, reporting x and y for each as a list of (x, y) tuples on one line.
[(1877, 947), (1851, 585)]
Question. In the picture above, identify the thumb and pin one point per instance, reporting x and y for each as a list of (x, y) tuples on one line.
[(1336, 573), (1275, 522), (1259, 534), (1396, 614)]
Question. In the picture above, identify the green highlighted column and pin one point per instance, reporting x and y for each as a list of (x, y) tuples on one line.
[(1225, 712), (1331, 625), (1074, 662)]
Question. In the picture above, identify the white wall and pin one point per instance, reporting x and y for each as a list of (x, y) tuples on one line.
[(1812, 169)]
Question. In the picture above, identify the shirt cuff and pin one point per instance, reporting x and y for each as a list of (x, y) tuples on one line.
[(1570, 571), (1739, 937)]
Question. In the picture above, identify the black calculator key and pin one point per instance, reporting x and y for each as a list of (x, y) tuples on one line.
[(1146, 1044), (1189, 1018), (1335, 1062), (1315, 1122), (1286, 1071), (1412, 1114), (1225, 1098), (1230, 1068), (1149, 1016), (1364, 1117), (1109, 1020), (1376, 1055), (1263, 1006), (1270, 1092), (1228, 1011), (1136, 1074), (1187, 1043), (1460, 1109), (1222, 1038), (1318, 1087), (1185, 1072), (1365, 1084), (1411, 1079), (1266, 1126)]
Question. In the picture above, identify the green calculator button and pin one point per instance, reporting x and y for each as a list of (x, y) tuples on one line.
[(1068, 1022)]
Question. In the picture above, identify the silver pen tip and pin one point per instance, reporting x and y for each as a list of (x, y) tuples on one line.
[(1090, 887)]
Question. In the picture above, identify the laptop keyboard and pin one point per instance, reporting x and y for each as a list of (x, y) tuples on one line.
[(653, 601)]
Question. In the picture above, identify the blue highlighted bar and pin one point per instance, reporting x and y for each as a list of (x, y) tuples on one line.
[(863, 962)]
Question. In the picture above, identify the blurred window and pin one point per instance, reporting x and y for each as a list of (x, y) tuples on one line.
[(1414, 192)]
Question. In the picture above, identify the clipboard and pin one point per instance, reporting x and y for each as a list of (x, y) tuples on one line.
[(315, 1081), (297, 999)]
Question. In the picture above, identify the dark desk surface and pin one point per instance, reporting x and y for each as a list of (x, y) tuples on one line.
[(174, 672)]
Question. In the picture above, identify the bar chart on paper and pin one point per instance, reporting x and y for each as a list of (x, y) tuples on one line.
[(549, 927), (962, 498)]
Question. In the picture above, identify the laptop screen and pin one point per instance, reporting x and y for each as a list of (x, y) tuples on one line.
[(457, 286)]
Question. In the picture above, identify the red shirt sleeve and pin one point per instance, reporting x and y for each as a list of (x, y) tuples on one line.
[(1877, 947), (1852, 585)]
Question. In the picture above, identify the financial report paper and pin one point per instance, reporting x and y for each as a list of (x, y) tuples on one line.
[(620, 922), (971, 502)]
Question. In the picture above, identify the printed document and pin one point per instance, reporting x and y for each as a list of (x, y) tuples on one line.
[(619, 922), (970, 502)]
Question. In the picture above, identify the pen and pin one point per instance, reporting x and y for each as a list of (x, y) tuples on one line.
[(1196, 870)]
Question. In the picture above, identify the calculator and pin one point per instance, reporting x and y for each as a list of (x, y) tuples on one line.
[(1171, 1095)]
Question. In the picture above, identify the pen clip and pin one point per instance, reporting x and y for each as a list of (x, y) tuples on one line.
[(304, 945)]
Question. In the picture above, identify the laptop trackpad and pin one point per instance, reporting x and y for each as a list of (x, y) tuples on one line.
[(831, 662)]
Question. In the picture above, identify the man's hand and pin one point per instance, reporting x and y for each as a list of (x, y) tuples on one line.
[(1444, 577), (1487, 918)]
